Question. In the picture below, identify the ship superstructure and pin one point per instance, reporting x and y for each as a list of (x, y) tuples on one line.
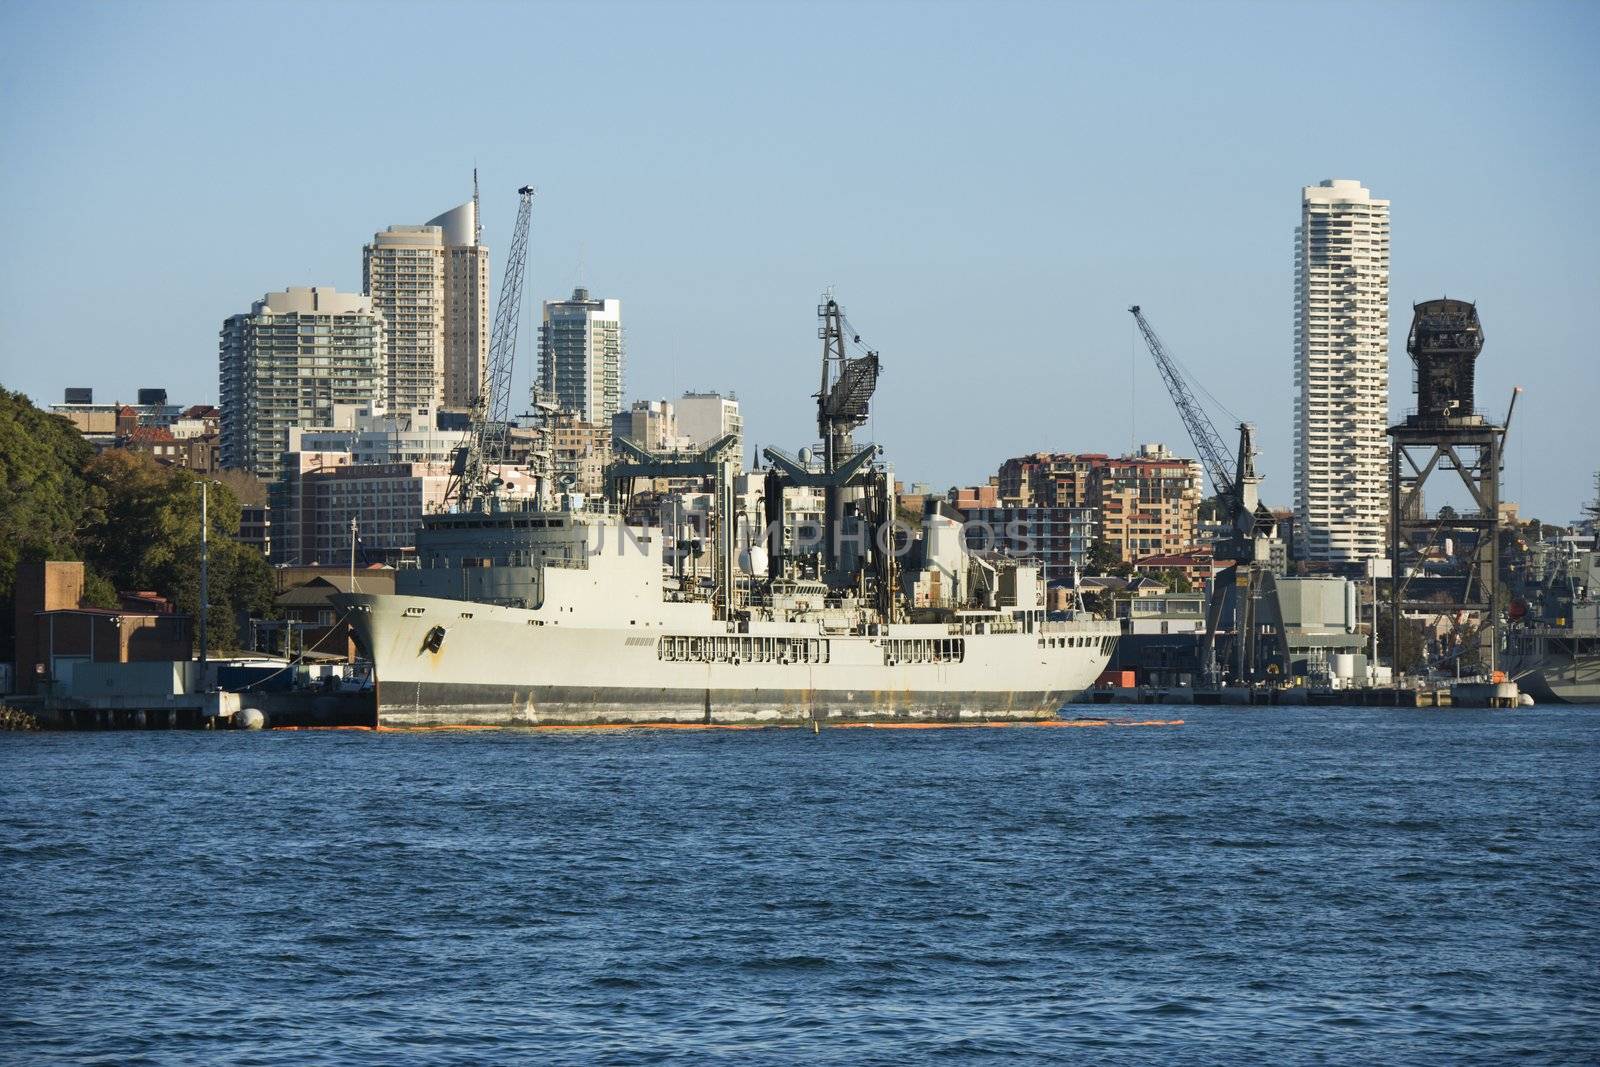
[(1553, 649), (560, 611)]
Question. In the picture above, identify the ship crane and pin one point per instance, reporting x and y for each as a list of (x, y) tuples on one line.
[(858, 493), (470, 480)]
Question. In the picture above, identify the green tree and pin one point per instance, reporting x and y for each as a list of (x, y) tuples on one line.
[(44, 502), (1175, 580), (148, 537), (1413, 642), (1104, 559)]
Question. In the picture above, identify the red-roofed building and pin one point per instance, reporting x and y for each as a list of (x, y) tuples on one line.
[(199, 454), (1198, 566)]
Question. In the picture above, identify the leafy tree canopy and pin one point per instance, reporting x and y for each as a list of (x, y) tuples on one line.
[(44, 503), (149, 538), (134, 522), (1105, 560)]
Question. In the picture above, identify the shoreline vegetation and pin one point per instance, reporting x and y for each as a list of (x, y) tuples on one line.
[(133, 522)]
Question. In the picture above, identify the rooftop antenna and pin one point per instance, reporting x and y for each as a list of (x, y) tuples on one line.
[(477, 219)]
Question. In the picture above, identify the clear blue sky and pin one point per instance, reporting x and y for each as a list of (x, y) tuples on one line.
[(987, 186)]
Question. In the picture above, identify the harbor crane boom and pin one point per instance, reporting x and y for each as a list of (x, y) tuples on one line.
[(1213, 453), (491, 408), (1247, 527)]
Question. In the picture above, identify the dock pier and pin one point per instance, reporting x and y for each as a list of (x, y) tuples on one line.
[(202, 711), (1456, 695)]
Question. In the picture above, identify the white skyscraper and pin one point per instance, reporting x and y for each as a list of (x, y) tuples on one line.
[(1341, 347), (580, 356)]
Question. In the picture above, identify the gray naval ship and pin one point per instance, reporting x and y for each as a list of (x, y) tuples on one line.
[(1554, 653), (558, 610)]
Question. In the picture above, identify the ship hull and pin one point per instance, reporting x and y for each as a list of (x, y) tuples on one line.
[(499, 666), (1558, 679), (417, 704)]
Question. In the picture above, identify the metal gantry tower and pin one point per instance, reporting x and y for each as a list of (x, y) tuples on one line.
[(1446, 434), (491, 408)]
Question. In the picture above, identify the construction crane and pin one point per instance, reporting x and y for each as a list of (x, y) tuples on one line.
[(1213, 453), (1236, 487), (470, 480), (1247, 523)]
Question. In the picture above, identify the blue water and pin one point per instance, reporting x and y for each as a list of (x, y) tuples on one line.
[(1261, 885)]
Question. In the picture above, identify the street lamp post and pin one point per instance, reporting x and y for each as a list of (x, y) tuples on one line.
[(205, 590)]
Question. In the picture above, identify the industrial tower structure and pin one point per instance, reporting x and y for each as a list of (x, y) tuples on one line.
[(1446, 433)]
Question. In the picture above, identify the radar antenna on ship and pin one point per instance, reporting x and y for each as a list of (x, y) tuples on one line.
[(848, 478)]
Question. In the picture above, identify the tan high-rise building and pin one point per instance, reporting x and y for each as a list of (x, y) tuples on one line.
[(403, 272), (704, 417), (466, 305), (650, 424), (431, 285), (1341, 348), (1149, 502)]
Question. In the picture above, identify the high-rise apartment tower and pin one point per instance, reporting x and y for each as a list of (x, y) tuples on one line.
[(1341, 349), (431, 285), (580, 356), (466, 305), (302, 357)]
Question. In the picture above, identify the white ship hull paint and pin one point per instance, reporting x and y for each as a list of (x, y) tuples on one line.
[(504, 666)]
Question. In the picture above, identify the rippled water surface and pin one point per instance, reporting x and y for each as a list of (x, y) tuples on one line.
[(1254, 885)]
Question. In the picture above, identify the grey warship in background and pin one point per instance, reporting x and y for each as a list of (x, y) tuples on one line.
[(1554, 653), (558, 611)]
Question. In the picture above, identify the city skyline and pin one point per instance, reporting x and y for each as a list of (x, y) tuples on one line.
[(1043, 182)]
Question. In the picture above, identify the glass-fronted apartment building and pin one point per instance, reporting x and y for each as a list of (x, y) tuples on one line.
[(580, 356)]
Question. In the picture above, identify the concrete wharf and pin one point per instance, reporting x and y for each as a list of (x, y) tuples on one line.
[(1454, 695)]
